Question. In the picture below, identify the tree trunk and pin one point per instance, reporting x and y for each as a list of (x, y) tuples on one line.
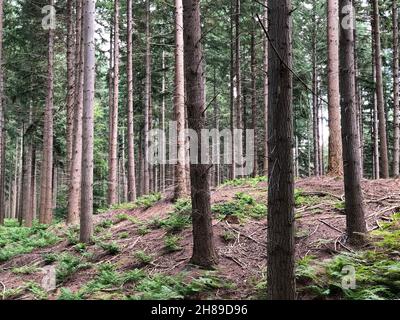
[(179, 102), (146, 172), (130, 133), (383, 150), (113, 151), (354, 207), (75, 173), (46, 193), (254, 99), (316, 122), (238, 88), (396, 107), (26, 192), (232, 95), (204, 253), (280, 241), (265, 89), (335, 167), (70, 79), (163, 89), (86, 226), (2, 129)]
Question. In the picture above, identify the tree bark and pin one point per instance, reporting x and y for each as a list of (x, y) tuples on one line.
[(354, 206), (70, 79), (130, 133), (46, 192), (254, 99), (265, 89), (2, 129), (280, 233), (179, 102), (75, 173), (396, 107), (383, 149), (204, 253), (86, 223), (146, 172), (113, 144), (335, 167)]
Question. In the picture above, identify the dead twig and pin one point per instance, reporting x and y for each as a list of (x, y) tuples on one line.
[(330, 226)]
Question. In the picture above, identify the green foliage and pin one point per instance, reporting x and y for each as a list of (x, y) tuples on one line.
[(243, 207), (228, 236), (143, 230), (67, 265), (80, 247), (72, 235), (340, 205), (13, 293), (110, 247), (300, 199), (67, 295), (171, 243), (123, 235), (180, 217), (38, 292), (143, 257), (29, 269), (108, 223), (122, 217), (162, 287), (305, 271), (146, 201), (240, 182), (16, 240)]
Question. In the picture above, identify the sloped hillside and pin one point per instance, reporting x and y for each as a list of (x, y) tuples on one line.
[(142, 250)]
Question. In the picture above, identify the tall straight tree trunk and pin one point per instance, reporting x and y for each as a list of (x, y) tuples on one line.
[(254, 99), (217, 149), (113, 144), (163, 88), (70, 79), (2, 129), (280, 233), (374, 127), (33, 183), (354, 206), (130, 133), (146, 172), (204, 253), (238, 85), (179, 102), (232, 94), (383, 149), (335, 166), (265, 89), (46, 192), (315, 105), (26, 192), (396, 107), (86, 223), (75, 174)]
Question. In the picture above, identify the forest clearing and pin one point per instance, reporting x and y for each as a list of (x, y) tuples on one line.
[(199, 150)]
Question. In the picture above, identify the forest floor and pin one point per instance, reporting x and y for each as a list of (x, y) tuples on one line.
[(142, 250)]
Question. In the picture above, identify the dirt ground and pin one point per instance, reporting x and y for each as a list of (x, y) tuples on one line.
[(320, 231)]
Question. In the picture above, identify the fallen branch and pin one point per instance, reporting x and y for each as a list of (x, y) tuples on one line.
[(330, 226)]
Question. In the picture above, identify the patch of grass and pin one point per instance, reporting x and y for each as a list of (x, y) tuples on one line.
[(162, 287), (38, 292), (253, 182), (67, 265), (16, 240), (111, 248), (122, 217), (243, 207), (80, 247), (340, 205), (301, 200), (305, 270), (228, 236), (13, 293), (180, 218), (143, 257), (171, 243), (30, 269), (106, 224), (72, 235), (143, 230), (145, 201), (123, 235), (67, 295), (50, 257)]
